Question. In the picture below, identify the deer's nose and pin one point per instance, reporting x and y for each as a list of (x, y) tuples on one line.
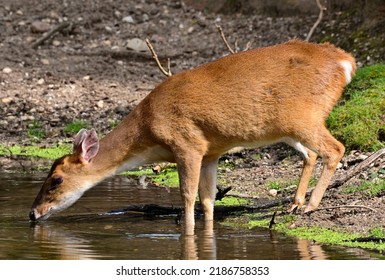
[(32, 215)]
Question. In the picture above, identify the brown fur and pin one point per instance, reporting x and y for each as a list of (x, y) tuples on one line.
[(279, 93)]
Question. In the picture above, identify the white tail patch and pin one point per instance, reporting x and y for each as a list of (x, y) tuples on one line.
[(348, 69)]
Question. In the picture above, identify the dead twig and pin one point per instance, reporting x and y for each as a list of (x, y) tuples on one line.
[(51, 33), (225, 40), (155, 56), (272, 221), (345, 206), (231, 50), (320, 16)]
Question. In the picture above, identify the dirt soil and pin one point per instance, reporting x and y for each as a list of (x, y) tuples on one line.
[(91, 71)]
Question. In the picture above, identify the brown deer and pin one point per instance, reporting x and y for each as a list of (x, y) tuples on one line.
[(282, 93)]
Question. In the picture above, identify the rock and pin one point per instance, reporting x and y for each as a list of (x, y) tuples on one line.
[(137, 44), (44, 61), (7, 100), (40, 27), (340, 165), (362, 157), (41, 81), (7, 70), (56, 43), (273, 192), (100, 104), (128, 19)]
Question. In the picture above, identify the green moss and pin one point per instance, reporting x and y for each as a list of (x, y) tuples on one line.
[(378, 232), (53, 152), (359, 122), (167, 177), (320, 235), (230, 201)]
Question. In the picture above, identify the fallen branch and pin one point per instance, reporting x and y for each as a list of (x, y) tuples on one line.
[(320, 16), (357, 169), (368, 239), (155, 210), (155, 56), (51, 33), (345, 206)]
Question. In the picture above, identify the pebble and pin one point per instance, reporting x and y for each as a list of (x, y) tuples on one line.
[(7, 70), (40, 27), (128, 19), (41, 81), (6, 100), (137, 44), (100, 103), (273, 192), (44, 61)]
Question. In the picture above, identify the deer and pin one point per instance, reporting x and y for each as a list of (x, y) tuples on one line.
[(280, 93)]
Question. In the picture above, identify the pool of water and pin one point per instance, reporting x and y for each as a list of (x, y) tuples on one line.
[(94, 229)]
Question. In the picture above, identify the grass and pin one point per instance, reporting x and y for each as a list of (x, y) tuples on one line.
[(321, 235), (74, 127), (371, 188), (36, 130), (359, 120)]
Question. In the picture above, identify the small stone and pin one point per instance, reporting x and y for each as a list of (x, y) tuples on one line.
[(56, 43), (44, 61), (40, 27), (362, 157), (41, 81), (6, 100), (108, 29), (137, 44), (7, 70), (292, 226), (87, 78), (100, 103), (128, 19), (273, 192)]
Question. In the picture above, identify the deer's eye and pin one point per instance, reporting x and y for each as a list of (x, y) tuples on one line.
[(55, 183)]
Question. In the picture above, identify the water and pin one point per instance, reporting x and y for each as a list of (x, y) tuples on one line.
[(88, 230)]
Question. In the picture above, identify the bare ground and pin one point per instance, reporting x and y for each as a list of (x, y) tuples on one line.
[(87, 72)]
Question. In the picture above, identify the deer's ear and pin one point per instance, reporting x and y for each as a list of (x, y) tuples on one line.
[(86, 144), (79, 138)]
